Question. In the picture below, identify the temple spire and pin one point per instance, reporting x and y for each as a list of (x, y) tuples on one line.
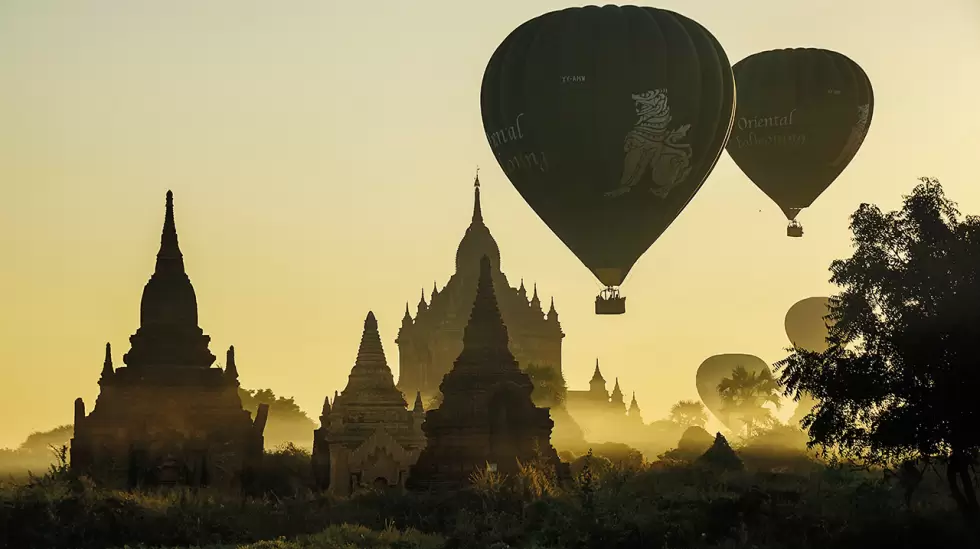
[(596, 375), (107, 369), (422, 305), (435, 291), (418, 409), (169, 257), (325, 412), (535, 300), (485, 331), (370, 380), (477, 210), (231, 369), (370, 354)]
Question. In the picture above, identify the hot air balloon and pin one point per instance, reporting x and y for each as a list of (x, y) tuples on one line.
[(802, 115), (716, 368), (607, 121), (806, 326)]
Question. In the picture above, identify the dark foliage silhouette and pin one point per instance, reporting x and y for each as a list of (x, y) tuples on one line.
[(744, 396), (899, 380), (689, 413)]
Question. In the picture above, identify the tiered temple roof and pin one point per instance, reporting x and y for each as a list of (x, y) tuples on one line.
[(487, 415)]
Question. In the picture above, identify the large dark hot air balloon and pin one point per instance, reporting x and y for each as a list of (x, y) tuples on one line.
[(607, 121), (716, 368), (806, 326), (802, 115)]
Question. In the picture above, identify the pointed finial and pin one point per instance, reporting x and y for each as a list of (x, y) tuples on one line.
[(535, 300), (325, 412), (477, 209), (418, 402), (551, 310), (169, 256), (370, 323), (408, 315), (107, 369), (231, 370)]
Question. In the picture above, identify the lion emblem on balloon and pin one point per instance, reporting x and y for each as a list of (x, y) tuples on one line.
[(655, 157)]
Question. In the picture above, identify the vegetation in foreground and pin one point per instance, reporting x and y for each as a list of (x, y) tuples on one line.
[(711, 502)]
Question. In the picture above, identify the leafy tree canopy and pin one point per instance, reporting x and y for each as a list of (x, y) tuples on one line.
[(899, 381), (280, 408), (744, 396), (689, 413)]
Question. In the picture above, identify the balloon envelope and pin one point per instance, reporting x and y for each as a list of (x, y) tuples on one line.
[(607, 121), (802, 115), (716, 368), (806, 326)]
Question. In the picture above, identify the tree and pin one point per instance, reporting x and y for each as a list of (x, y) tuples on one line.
[(744, 396), (288, 423), (549, 385), (285, 408), (899, 379), (689, 413)]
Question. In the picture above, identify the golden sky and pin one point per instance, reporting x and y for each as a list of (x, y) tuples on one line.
[(322, 153)]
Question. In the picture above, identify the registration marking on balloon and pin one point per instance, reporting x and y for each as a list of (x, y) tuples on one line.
[(651, 148)]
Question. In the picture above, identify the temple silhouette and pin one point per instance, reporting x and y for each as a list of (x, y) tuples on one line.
[(597, 411), (487, 416), (168, 416), (368, 438), (429, 343)]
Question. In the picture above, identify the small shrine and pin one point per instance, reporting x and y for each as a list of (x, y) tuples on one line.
[(368, 438)]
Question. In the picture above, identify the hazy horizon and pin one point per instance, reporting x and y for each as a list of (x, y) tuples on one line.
[(322, 154)]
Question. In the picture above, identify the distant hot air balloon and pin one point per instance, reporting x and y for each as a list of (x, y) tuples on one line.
[(806, 326), (802, 115), (716, 368), (607, 121)]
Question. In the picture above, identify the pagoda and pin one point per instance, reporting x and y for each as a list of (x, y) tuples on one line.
[(368, 437), (167, 416), (487, 416), (428, 343)]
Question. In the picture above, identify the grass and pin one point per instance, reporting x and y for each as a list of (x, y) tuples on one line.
[(650, 506)]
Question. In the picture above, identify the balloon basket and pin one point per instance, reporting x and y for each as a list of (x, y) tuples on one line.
[(609, 302), (794, 229)]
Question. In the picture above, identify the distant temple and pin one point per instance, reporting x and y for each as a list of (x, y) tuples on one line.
[(487, 416), (368, 438), (168, 417), (598, 412), (428, 344)]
